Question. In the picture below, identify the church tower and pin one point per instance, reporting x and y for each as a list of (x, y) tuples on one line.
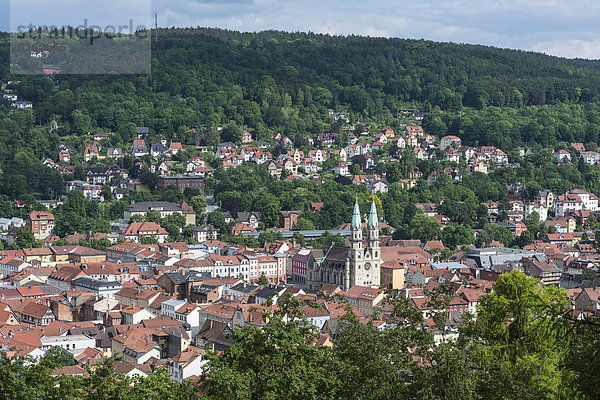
[(371, 265), (373, 231), (356, 251), (356, 228), (364, 263)]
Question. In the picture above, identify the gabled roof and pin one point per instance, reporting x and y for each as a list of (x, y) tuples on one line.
[(186, 357), (216, 332), (363, 293), (35, 310), (72, 370), (144, 228)]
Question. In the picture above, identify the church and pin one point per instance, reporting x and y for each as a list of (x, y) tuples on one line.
[(358, 263)]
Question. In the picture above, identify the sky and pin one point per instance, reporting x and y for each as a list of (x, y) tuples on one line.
[(566, 28)]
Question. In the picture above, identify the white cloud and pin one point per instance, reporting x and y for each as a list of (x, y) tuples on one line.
[(560, 27), (570, 48)]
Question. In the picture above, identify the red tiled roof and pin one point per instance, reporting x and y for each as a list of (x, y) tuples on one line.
[(144, 228)]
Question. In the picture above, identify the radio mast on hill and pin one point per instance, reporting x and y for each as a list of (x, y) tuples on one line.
[(155, 27)]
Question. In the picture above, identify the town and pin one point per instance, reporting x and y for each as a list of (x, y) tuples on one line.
[(155, 301), (299, 215)]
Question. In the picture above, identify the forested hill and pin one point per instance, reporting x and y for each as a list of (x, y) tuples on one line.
[(408, 70), (276, 81)]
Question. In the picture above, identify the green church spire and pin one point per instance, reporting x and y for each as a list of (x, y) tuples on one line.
[(356, 222), (373, 220)]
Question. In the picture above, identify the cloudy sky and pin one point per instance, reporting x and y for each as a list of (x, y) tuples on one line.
[(558, 27)]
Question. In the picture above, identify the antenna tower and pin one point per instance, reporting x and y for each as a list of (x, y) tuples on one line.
[(155, 27)]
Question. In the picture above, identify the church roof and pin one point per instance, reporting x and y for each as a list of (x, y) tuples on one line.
[(336, 252)]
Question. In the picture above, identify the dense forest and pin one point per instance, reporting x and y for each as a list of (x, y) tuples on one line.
[(280, 81), (274, 81), (524, 344)]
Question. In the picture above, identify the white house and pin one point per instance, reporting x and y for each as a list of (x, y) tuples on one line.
[(101, 288), (316, 316), (341, 169), (8, 265), (562, 156), (590, 201), (566, 203), (189, 314), (447, 141), (187, 363), (590, 157), (23, 105), (75, 344), (169, 307), (538, 208), (134, 315)]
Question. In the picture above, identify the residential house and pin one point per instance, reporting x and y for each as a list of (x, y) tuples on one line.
[(186, 364), (181, 182), (590, 157), (364, 299), (41, 223), (341, 169), (546, 198), (163, 207), (157, 150), (114, 152), (317, 155), (561, 239), (588, 300), (545, 271), (203, 233), (100, 288), (274, 168), (23, 105), (479, 167), (539, 208), (328, 139), (393, 275), (64, 156), (90, 191), (10, 265), (37, 314), (175, 147), (250, 218), (289, 219), (214, 336), (561, 156), (98, 175), (578, 147), (450, 154), (414, 130), (290, 166), (136, 230), (139, 148), (134, 315), (92, 150), (450, 141)]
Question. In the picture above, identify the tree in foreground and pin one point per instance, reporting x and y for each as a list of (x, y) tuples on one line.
[(276, 361), (520, 340)]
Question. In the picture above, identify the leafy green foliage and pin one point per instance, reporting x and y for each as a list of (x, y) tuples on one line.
[(521, 338), (57, 357), (283, 362)]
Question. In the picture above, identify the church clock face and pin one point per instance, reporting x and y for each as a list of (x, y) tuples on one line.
[(368, 266)]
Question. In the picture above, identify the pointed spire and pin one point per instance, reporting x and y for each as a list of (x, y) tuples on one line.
[(356, 222), (373, 220)]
